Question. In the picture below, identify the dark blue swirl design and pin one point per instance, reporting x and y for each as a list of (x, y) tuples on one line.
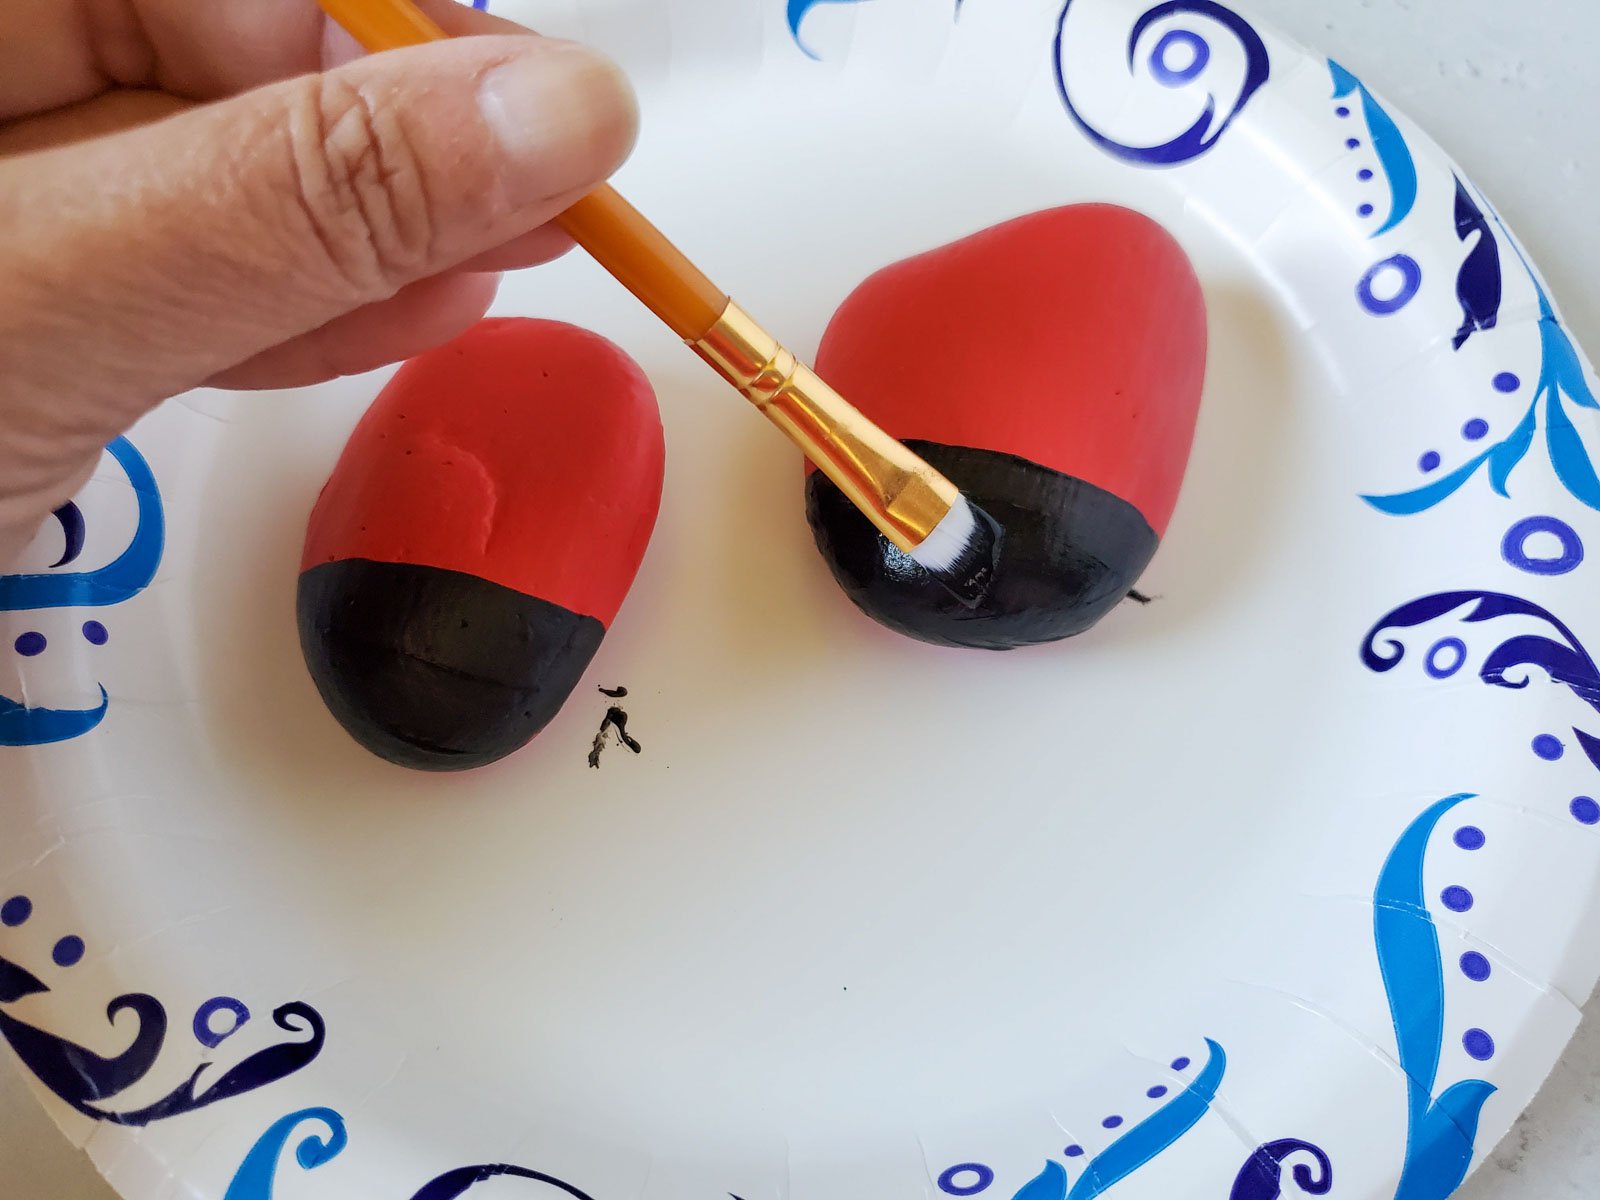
[(1440, 1130), (253, 1180), (1562, 657), (1145, 1141), (125, 576), (17, 982), (22, 725), (1261, 1177), (1394, 155), (1205, 132), (72, 532), (455, 1183), (1561, 375), (1478, 286), (79, 1076), (85, 1080)]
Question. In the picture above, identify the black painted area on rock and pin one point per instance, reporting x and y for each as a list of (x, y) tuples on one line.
[(438, 670), (1072, 552)]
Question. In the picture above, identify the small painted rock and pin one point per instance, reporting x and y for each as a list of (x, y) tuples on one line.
[(476, 539), (1051, 367)]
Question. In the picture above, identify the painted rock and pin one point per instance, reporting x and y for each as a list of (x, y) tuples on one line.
[(1051, 367), (476, 539)]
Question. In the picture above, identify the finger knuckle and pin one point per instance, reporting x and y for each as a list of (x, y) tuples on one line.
[(359, 185)]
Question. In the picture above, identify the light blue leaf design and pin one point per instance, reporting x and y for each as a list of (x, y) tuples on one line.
[(1561, 377), (798, 10), (1406, 504), (1408, 957), (21, 725), (254, 1178), (1569, 456), (1560, 369), (1439, 1133), (125, 576), (1439, 1153), (1399, 168), (1504, 457), (1156, 1132), (1048, 1184)]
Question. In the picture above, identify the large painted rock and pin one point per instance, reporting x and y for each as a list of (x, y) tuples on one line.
[(1051, 367), (476, 540)]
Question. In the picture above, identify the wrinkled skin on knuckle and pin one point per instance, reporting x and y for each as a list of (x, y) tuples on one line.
[(359, 185)]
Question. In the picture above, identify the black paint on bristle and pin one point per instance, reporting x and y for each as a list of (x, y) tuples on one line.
[(1071, 552), (438, 670), (971, 576)]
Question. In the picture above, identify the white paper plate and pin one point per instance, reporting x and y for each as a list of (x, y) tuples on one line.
[(1294, 866)]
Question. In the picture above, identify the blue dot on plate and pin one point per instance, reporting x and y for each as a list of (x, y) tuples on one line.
[(1474, 966), (1112, 1122), (1156, 1092), (966, 1179), (1342, 111), (1074, 1152), (1445, 657), (1506, 382), (1585, 811), (1456, 898), (15, 911), (1548, 747), (68, 951), (1475, 429), (30, 644), (1180, 1064), (1352, 143), (1569, 546), (1470, 837), (1194, 53), (1478, 1044), (1429, 461), (1364, 174), (1366, 210), (95, 633)]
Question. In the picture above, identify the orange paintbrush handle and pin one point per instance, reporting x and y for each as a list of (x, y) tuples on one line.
[(614, 233)]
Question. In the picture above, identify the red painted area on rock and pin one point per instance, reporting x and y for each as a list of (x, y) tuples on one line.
[(528, 453), (1074, 338)]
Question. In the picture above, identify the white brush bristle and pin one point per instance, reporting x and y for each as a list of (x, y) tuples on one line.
[(948, 543)]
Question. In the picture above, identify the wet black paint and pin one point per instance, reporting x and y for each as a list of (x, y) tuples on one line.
[(971, 576), (615, 720), (616, 693), (1072, 552), (438, 670)]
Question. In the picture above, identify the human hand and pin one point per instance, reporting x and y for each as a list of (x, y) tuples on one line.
[(225, 193)]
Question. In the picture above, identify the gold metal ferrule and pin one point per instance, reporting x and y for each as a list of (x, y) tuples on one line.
[(901, 494)]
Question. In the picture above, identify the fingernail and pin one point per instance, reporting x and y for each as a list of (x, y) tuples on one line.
[(564, 116)]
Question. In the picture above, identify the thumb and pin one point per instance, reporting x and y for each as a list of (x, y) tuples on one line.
[(137, 266)]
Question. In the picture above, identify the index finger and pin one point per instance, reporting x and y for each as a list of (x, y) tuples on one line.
[(58, 52)]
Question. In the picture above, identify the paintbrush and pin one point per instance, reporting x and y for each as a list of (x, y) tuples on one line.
[(914, 506)]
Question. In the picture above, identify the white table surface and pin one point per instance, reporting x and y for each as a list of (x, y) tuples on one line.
[(1512, 92)]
